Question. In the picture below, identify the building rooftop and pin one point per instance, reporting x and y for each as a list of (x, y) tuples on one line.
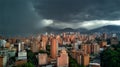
[(94, 64)]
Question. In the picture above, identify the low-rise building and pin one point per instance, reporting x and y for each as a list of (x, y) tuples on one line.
[(94, 65), (42, 59)]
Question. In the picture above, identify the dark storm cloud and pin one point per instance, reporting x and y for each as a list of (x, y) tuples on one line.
[(81, 10), (23, 15), (17, 16)]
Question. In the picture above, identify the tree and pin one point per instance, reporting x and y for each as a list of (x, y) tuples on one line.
[(48, 49), (28, 64), (73, 62), (111, 57), (31, 57)]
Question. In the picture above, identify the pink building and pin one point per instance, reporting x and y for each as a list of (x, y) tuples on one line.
[(63, 59)]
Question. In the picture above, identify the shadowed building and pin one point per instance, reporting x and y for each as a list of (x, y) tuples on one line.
[(35, 47), (85, 59), (103, 44), (82, 59), (3, 61), (95, 48), (114, 41), (44, 40)]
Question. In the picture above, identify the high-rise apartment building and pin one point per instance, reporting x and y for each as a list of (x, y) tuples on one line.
[(54, 48)]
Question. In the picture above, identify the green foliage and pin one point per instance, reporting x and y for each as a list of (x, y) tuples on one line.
[(111, 57), (73, 63), (69, 45), (42, 51), (48, 49), (13, 58), (32, 58), (26, 65), (108, 41)]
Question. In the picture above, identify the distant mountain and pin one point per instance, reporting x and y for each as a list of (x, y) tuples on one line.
[(82, 29), (52, 29), (67, 30), (109, 28)]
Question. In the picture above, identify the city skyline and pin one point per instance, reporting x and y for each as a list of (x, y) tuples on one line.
[(59, 33)]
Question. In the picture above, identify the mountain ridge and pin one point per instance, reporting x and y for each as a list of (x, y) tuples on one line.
[(108, 28)]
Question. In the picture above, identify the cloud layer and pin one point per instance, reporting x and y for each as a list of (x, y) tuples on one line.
[(17, 16), (29, 15), (67, 10), (89, 14)]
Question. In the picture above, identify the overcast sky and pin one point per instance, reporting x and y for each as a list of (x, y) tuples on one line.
[(29, 15)]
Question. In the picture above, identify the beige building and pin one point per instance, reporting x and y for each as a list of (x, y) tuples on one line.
[(42, 59), (83, 59), (63, 59)]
